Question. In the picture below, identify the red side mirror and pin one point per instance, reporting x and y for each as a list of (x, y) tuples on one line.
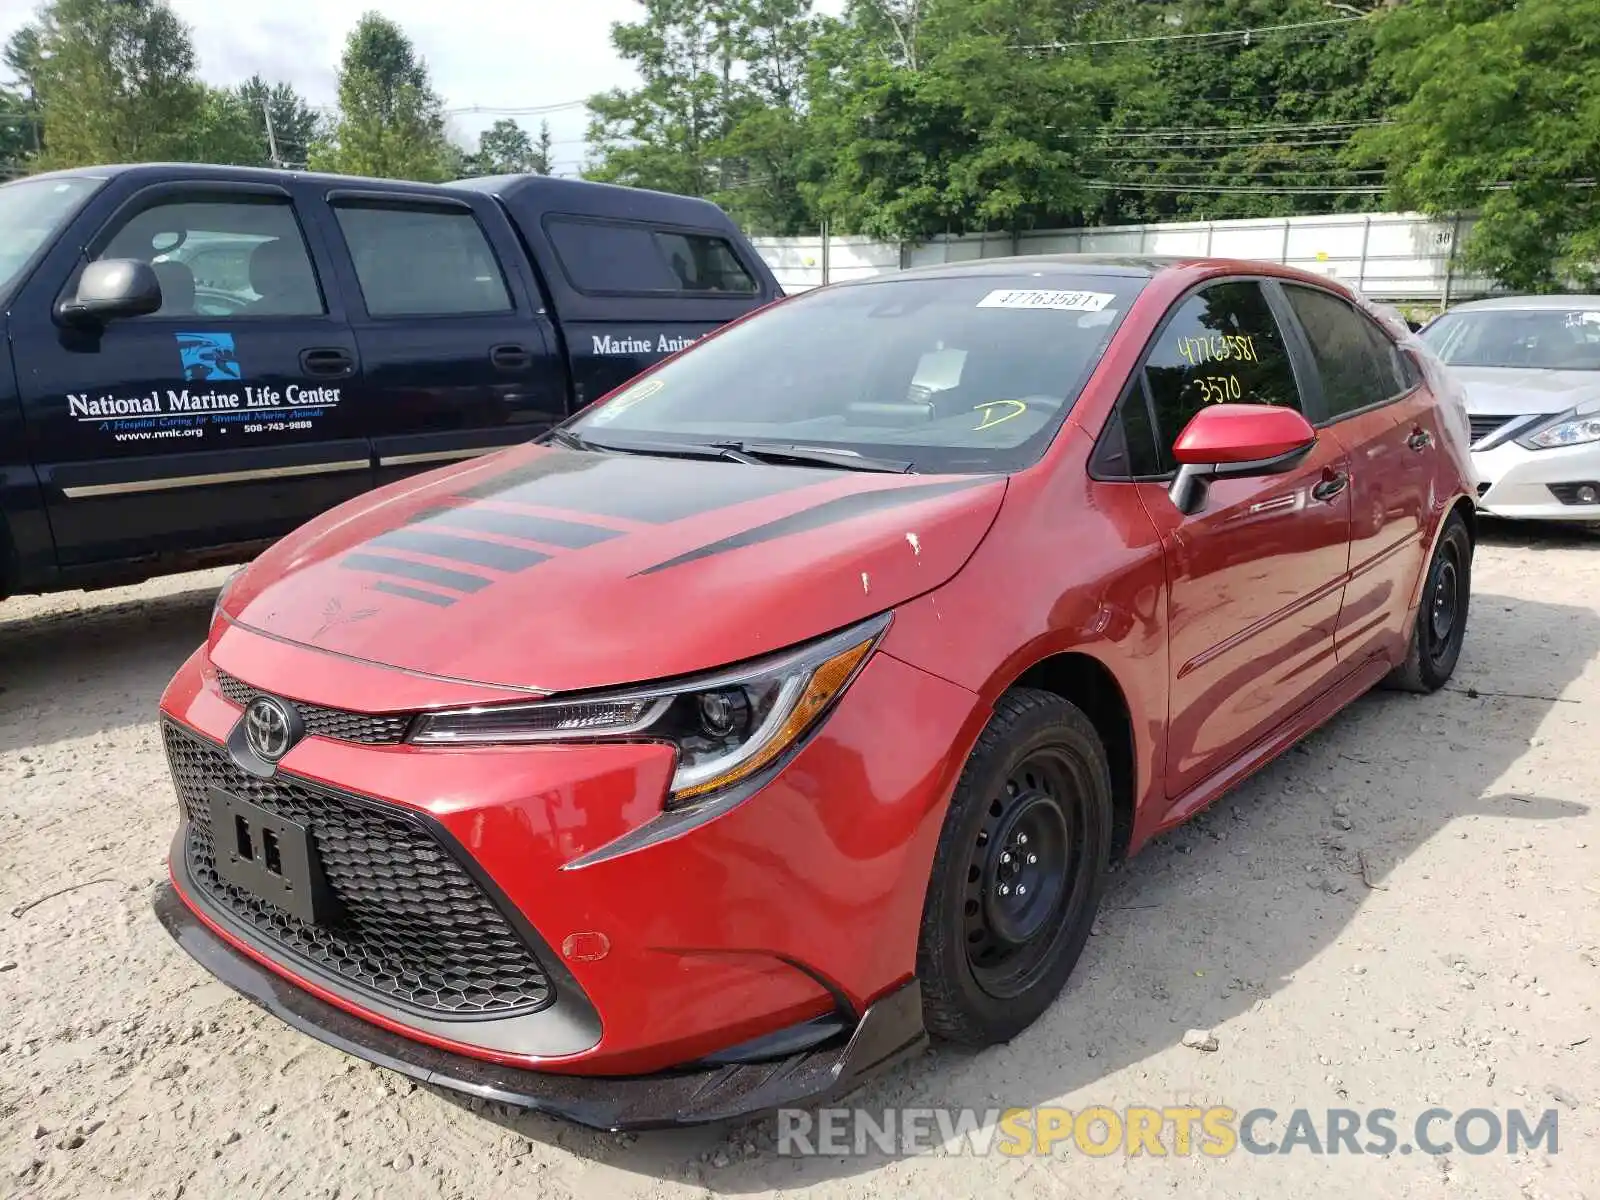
[(1234, 434)]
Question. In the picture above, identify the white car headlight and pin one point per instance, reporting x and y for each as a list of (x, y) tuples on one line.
[(1568, 431), (726, 725)]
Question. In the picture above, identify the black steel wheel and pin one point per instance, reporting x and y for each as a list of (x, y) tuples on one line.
[(1441, 624), (1017, 877)]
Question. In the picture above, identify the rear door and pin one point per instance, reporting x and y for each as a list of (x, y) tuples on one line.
[(1374, 405), (458, 354), (1256, 576), (632, 292), (224, 418)]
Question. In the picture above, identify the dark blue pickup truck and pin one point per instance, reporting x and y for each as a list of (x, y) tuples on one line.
[(199, 359)]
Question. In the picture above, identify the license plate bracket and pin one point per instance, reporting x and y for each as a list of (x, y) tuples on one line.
[(269, 856)]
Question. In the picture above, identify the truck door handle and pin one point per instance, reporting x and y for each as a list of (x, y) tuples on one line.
[(328, 362), (510, 357), (1419, 440), (1330, 485)]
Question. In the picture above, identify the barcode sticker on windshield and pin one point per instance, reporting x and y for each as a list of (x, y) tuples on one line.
[(1051, 301)]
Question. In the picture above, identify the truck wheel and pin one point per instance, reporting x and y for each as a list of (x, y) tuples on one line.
[(1441, 623), (1017, 876)]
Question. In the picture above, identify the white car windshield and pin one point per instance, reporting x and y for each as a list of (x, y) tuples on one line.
[(966, 373), (1557, 339)]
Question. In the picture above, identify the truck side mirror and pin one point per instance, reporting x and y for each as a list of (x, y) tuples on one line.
[(111, 289)]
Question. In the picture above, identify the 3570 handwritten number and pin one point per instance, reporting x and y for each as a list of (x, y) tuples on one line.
[(1219, 389)]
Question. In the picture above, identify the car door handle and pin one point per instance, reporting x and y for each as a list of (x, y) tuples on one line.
[(510, 357), (1330, 485), (1419, 440), (327, 362)]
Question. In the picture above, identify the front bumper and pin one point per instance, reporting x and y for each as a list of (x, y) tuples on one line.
[(1516, 483), (889, 1032), (798, 907)]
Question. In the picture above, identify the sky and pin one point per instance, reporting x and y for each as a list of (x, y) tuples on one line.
[(482, 54)]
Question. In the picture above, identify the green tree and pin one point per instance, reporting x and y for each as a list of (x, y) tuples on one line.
[(929, 118), (294, 123), (390, 122), (114, 81), (663, 134), (21, 124), (506, 149), (1502, 116)]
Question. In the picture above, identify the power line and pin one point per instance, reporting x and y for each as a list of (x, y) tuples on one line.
[(1195, 37)]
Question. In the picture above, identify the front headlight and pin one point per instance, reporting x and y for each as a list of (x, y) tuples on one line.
[(1568, 431), (726, 726)]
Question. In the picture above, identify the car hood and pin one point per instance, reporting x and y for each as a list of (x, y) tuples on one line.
[(551, 570), (1523, 391)]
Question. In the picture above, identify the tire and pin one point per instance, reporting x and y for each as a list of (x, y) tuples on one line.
[(1447, 592), (1036, 786)]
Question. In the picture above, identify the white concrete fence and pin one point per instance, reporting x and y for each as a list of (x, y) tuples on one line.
[(1397, 257)]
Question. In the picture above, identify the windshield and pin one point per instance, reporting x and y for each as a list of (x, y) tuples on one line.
[(31, 212), (973, 373), (1557, 339)]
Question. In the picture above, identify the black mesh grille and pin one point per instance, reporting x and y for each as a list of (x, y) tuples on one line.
[(369, 729), (414, 929), (1482, 427)]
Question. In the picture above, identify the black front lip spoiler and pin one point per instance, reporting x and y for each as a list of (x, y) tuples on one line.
[(890, 1032)]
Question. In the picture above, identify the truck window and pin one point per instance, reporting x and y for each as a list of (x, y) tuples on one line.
[(704, 264), (32, 211), (414, 262), (605, 256), (242, 257)]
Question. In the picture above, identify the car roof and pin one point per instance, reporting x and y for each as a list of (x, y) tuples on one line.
[(1528, 303), (1140, 266)]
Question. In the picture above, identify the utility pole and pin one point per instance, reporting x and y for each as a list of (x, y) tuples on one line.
[(272, 134)]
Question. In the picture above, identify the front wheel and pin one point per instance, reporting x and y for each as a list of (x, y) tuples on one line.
[(1017, 876), (1441, 624)]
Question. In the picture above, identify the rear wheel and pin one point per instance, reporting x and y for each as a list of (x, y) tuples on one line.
[(1018, 873), (1441, 624)]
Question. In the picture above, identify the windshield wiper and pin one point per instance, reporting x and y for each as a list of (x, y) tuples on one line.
[(671, 450), (827, 456), (570, 440)]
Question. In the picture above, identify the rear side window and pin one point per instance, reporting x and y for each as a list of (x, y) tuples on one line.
[(1222, 346), (603, 256), (1358, 363), (414, 262)]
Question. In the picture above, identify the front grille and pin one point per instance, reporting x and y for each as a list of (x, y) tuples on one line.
[(368, 729), (1482, 427), (414, 931)]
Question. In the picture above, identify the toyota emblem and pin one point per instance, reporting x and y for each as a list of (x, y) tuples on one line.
[(268, 728)]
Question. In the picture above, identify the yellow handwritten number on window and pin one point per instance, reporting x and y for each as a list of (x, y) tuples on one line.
[(1219, 389)]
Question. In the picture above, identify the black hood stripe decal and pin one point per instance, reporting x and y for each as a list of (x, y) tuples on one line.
[(548, 531), (410, 593), (475, 552), (631, 487), (827, 513), (404, 568)]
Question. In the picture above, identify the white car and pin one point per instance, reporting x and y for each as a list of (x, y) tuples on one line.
[(1530, 366)]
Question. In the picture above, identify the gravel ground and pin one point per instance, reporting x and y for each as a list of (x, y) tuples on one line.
[(1402, 912)]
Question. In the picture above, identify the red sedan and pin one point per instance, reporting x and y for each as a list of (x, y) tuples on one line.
[(791, 704)]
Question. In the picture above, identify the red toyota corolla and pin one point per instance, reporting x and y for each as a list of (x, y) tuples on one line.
[(791, 704)]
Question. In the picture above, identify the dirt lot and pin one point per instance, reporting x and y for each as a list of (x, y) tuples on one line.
[(1401, 913)]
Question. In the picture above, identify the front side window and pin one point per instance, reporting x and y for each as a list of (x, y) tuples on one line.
[(969, 373), (1559, 339), (1222, 346), (416, 262), (1358, 364), (241, 257), (32, 212)]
